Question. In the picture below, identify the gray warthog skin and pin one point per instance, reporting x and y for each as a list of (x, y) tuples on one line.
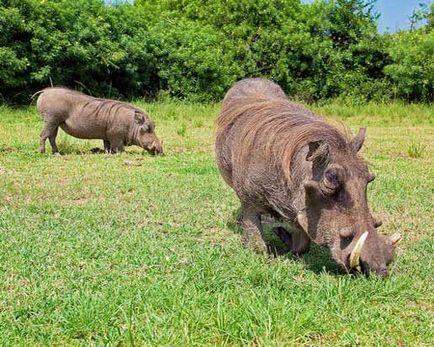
[(284, 161), (117, 123)]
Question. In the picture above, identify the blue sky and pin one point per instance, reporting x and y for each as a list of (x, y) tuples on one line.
[(394, 13)]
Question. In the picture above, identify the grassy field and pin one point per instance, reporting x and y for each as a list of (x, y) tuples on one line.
[(132, 249)]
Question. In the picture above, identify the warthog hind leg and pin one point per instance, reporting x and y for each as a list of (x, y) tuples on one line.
[(296, 240), (49, 132)]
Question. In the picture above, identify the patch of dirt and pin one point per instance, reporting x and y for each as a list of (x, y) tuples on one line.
[(8, 199), (135, 162), (178, 150), (217, 237), (80, 200), (7, 150)]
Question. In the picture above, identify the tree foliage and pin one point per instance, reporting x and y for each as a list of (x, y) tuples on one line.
[(195, 49), (412, 65)]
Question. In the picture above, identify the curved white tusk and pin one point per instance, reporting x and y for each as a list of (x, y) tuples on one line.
[(357, 251), (395, 239)]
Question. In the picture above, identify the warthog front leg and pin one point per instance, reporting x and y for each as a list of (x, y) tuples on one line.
[(252, 230), (106, 146), (116, 145), (297, 241)]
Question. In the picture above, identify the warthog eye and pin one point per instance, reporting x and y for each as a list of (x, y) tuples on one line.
[(332, 179)]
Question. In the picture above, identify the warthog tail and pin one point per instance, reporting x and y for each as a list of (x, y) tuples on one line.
[(37, 93)]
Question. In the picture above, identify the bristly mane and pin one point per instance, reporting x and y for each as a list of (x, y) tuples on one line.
[(278, 127), (100, 102)]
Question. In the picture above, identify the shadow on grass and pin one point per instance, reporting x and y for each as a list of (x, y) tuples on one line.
[(69, 149), (33, 149), (317, 259)]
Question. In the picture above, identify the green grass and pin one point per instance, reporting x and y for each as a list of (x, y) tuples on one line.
[(97, 251), (416, 150)]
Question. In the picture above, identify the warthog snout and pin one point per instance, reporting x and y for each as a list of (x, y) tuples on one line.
[(155, 148), (367, 257)]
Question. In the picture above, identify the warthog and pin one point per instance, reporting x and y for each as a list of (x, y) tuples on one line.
[(117, 123), (285, 162)]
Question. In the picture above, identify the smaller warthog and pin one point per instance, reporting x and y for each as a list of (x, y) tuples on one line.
[(117, 123)]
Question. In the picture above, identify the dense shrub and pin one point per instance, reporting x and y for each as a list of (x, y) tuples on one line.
[(191, 63), (314, 51), (412, 67), (195, 49), (77, 43)]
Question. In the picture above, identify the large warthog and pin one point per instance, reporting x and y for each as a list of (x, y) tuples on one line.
[(287, 163), (117, 123)]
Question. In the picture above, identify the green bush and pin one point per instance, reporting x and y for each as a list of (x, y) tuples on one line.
[(81, 44), (196, 49), (313, 51), (412, 67), (191, 63)]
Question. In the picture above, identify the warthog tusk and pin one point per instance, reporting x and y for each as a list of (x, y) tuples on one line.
[(357, 251), (395, 239)]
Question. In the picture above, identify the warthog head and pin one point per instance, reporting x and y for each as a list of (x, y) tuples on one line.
[(144, 134), (337, 212)]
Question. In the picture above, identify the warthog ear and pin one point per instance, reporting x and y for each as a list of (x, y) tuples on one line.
[(318, 149), (357, 142), (139, 117)]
